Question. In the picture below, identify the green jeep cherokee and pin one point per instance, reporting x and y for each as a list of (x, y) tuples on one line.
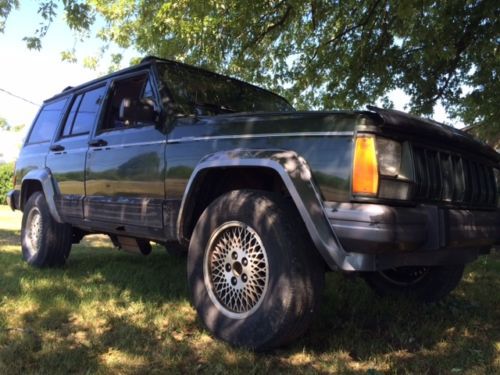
[(264, 199)]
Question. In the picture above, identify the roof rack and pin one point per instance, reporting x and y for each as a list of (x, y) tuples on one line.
[(67, 88), (150, 58)]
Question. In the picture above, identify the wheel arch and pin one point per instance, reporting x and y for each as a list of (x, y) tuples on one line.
[(40, 180), (221, 179), (286, 171)]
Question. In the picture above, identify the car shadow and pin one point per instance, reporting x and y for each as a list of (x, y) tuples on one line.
[(353, 327)]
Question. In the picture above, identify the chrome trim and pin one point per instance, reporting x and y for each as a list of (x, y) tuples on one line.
[(263, 135), (142, 143), (126, 145), (69, 151)]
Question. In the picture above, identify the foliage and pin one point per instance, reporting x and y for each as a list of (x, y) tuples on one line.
[(6, 7), (323, 54), (6, 174), (113, 312), (4, 125)]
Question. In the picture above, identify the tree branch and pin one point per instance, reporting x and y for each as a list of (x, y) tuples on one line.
[(461, 46), (346, 31), (269, 29), (313, 14)]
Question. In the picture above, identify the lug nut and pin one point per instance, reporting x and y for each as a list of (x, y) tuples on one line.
[(233, 280), (234, 255), (228, 267), (244, 278), (244, 261)]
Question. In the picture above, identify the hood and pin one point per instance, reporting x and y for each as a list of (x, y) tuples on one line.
[(405, 123)]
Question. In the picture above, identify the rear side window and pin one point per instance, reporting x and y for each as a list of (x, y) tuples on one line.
[(83, 112), (46, 123)]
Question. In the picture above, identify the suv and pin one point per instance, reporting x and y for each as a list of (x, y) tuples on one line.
[(264, 199)]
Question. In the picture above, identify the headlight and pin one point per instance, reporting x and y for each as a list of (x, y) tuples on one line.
[(378, 168), (389, 157)]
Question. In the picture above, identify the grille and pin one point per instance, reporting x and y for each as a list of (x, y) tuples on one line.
[(444, 177)]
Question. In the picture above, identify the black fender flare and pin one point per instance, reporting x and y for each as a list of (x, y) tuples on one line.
[(49, 187), (298, 179)]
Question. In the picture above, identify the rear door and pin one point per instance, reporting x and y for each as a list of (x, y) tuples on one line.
[(67, 154), (125, 165)]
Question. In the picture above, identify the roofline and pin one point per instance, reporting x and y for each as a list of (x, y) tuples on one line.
[(67, 90), (146, 62), (471, 127)]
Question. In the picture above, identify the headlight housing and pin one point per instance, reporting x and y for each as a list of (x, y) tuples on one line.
[(380, 168), (389, 157)]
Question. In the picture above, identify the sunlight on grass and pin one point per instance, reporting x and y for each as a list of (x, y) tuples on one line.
[(96, 240), (10, 220), (111, 312)]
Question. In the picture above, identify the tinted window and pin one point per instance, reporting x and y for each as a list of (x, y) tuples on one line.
[(87, 111), (194, 89), (148, 91), (46, 123), (134, 88)]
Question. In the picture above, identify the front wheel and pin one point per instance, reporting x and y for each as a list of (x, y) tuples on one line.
[(422, 283), (255, 280), (44, 242)]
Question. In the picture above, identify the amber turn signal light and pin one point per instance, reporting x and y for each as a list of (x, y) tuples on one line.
[(365, 168)]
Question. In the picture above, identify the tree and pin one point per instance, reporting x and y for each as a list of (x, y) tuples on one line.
[(6, 175), (323, 54), (4, 125)]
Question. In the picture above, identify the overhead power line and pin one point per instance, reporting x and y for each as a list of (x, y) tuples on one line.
[(19, 97)]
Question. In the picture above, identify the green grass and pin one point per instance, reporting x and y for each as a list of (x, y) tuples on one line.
[(113, 312)]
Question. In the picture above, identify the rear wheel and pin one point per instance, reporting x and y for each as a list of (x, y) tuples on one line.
[(254, 278), (426, 284), (44, 242)]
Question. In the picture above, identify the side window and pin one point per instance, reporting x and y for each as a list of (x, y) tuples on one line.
[(133, 88), (83, 112), (47, 121), (148, 91)]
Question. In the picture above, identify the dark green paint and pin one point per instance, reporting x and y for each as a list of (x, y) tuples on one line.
[(329, 156), (139, 167)]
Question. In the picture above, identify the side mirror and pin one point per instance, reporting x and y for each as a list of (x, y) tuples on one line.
[(134, 111)]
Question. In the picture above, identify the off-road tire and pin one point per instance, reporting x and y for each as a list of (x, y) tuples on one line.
[(294, 271), (425, 284), (44, 242)]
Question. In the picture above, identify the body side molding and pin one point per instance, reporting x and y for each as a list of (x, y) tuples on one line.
[(44, 177), (297, 177)]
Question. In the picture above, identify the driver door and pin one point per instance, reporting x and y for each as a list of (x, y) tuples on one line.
[(124, 179)]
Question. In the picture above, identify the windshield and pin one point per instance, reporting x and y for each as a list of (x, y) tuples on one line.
[(199, 91)]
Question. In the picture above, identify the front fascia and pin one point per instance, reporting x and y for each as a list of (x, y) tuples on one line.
[(297, 177)]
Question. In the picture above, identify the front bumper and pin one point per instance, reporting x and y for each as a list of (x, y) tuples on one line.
[(383, 237), (13, 199)]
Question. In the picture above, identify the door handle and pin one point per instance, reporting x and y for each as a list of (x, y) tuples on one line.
[(56, 148), (98, 143)]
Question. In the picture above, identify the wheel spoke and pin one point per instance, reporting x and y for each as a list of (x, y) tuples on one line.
[(236, 268)]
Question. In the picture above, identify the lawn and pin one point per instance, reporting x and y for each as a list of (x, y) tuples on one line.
[(111, 312)]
